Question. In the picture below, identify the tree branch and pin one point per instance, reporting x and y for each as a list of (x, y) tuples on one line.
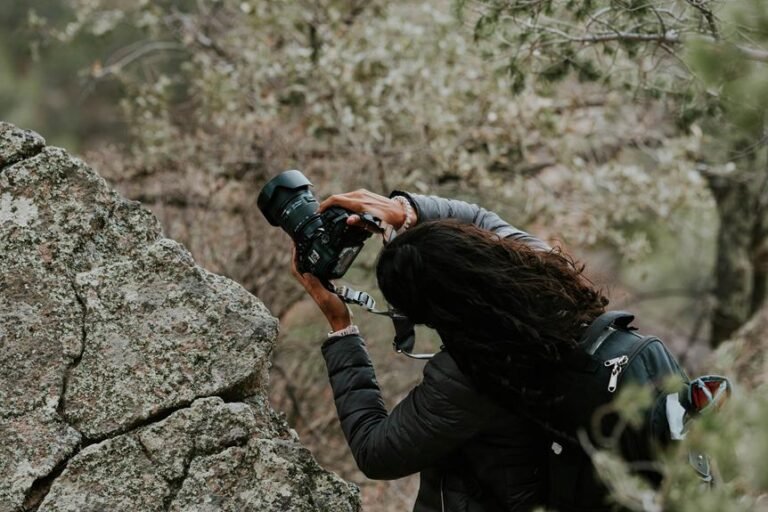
[(670, 37), (138, 53), (754, 53), (708, 15)]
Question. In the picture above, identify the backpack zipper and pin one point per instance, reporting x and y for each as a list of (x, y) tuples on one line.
[(618, 364)]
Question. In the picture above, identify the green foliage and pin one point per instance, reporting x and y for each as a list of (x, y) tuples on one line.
[(751, 16), (632, 402), (640, 45), (626, 488), (549, 33), (44, 72), (734, 439), (486, 24), (732, 72), (385, 94)]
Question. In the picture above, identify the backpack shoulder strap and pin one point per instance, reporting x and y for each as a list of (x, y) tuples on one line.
[(594, 335)]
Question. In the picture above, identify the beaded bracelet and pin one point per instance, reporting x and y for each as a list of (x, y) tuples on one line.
[(408, 212), (350, 329)]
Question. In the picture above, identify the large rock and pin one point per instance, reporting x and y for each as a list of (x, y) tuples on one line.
[(130, 378), (743, 356)]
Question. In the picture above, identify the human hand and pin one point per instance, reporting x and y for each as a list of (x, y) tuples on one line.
[(336, 312), (361, 200)]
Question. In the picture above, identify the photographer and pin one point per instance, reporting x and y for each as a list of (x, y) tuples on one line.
[(506, 307)]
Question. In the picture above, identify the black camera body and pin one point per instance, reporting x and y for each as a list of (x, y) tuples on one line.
[(326, 245)]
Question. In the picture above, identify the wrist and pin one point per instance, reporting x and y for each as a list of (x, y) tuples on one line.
[(333, 308), (407, 214), (341, 320), (339, 324), (410, 200)]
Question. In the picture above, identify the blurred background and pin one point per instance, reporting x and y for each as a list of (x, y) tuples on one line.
[(632, 134)]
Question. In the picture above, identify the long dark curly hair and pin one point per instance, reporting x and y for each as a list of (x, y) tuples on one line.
[(508, 313)]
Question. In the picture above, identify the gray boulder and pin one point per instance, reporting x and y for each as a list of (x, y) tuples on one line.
[(130, 378)]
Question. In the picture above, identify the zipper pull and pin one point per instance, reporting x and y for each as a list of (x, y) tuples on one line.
[(617, 363)]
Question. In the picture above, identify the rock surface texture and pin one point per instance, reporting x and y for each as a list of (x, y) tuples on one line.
[(744, 357), (130, 378)]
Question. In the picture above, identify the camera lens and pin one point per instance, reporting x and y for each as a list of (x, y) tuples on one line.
[(287, 201), (325, 244)]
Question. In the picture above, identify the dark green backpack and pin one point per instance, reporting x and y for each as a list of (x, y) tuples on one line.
[(617, 356)]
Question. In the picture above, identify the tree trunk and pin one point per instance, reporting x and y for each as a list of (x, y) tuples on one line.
[(741, 276)]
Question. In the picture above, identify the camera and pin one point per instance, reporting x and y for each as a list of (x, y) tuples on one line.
[(326, 245)]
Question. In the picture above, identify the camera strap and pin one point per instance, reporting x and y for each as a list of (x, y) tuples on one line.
[(405, 333), (351, 296)]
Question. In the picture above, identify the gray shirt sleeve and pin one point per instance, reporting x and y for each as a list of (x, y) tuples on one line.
[(435, 208)]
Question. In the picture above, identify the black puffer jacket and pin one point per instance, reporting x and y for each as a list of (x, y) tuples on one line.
[(473, 455)]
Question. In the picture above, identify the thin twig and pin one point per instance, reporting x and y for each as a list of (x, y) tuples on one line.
[(708, 15), (157, 46), (670, 37)]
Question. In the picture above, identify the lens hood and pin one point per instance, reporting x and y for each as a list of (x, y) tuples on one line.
[(288, 180)]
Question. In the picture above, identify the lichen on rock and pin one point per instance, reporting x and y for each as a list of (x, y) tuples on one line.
[(130, 378), (16, 144)]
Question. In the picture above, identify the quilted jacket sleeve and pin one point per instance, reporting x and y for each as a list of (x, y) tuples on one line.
[(436, 417), (434, 208)]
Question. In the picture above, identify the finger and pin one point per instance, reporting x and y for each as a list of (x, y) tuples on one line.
[(334, 200), (294, 263), (358, 222), (368, 227), (343, 200)]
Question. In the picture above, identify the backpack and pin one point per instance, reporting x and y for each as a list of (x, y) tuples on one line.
[(617, 356)]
